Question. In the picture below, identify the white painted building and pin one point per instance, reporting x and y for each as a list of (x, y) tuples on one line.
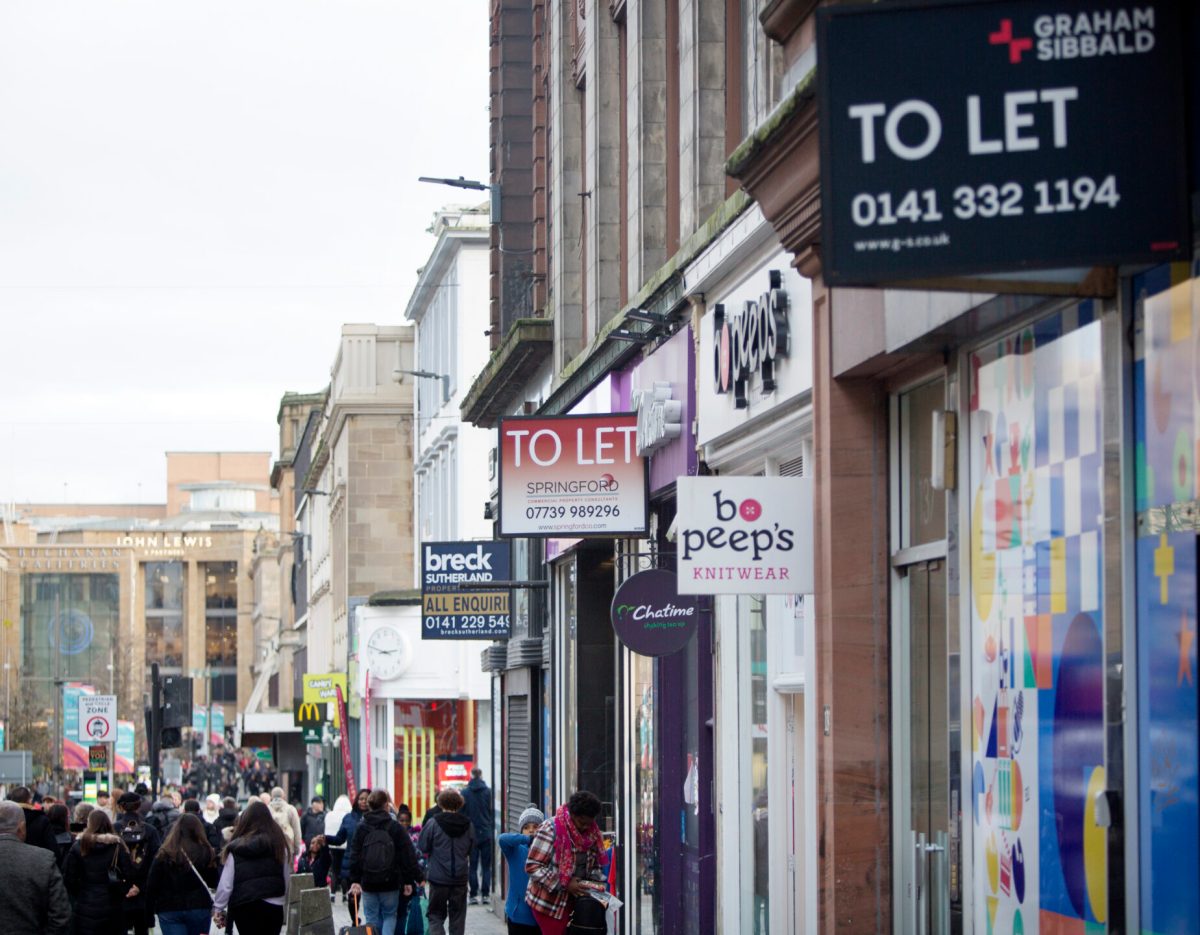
[(449, 309), (764, 731), (430, 710)]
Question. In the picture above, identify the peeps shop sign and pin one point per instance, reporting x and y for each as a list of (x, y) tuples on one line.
[(997, 137)]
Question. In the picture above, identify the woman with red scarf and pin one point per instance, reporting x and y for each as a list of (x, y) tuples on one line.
[(565, 851)]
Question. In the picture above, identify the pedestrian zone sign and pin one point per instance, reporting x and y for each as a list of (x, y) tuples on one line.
[(98, 718)]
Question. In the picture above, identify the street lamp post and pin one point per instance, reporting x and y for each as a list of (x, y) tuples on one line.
[(474, 185), (428, 375)]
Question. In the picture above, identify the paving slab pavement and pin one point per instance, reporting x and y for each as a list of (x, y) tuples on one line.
[(481, 920)]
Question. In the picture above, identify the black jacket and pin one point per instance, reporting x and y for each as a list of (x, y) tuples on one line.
[(38, 831), (99, 906), (256, 872), (216, 840), (172, 886), (226, 818), (162, 817), (447, 839), (64, 839), (478, 798), (318, 866), (311, 824), (405, 869)]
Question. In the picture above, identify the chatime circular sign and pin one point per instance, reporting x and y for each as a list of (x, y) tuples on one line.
[(651, 617)]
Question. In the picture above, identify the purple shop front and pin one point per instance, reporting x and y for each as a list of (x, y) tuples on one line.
[(661, 390)]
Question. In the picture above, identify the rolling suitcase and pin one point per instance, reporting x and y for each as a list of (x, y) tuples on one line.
[(356, 928)]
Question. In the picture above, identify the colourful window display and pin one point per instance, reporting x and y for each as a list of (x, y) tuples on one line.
[(1038, 741), (428, 735), (1167, 426)]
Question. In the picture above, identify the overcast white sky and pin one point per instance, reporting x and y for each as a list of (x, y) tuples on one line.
[(193, 197)]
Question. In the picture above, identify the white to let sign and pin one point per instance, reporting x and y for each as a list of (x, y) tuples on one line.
[(98, 718), (745, 535), (572, 476)]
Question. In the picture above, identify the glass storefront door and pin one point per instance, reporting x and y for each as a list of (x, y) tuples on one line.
[(927, 798), (928, 767)]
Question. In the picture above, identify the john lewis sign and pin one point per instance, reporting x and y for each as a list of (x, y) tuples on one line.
[(1003, 136)]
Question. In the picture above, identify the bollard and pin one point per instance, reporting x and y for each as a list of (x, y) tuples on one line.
[(316, 912), (297, 883)]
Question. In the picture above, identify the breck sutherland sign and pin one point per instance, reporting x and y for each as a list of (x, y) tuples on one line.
[(997, 137)]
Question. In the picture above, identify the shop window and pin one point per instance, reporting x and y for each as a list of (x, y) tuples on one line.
[(1167, 497), (69, 630), (429, 736), (647, 897), (1035, 496), (164, 588), (224, 686), (753, 726), (923, 509)]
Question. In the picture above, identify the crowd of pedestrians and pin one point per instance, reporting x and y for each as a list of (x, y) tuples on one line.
[(205, 866)]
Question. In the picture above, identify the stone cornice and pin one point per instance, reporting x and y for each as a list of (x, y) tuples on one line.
[(779, 165), (527, 344), (781, 18)]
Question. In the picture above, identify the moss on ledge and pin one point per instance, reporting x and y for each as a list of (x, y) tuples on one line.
[(752, 145)]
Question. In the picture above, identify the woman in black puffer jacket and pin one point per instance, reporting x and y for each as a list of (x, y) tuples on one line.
[(99, 903), (175, 892), (253, 883)]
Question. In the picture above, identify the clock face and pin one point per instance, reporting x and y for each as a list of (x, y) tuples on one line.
[(387, 653)]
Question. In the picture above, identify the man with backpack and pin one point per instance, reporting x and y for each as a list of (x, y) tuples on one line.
[(142, 841), (382, 862)]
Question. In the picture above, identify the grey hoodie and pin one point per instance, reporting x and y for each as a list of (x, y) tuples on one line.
[(446, 841)]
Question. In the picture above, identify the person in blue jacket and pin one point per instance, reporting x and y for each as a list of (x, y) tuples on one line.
[(346, 834), (515, 848)]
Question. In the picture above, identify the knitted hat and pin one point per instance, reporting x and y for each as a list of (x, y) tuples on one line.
[(531, 814)]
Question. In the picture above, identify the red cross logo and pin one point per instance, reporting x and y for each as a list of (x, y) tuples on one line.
[(1015, 46)]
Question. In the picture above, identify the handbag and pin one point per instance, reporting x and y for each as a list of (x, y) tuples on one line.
[(587, 915), (212, 894), (114, 875)]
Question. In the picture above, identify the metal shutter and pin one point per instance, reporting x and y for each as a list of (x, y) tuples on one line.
[(516, 784)]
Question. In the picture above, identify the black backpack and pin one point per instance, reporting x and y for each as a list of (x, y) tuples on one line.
[(588, 916), (134, 836), (378, 856)]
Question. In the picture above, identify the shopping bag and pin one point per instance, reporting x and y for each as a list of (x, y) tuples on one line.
[(610, 914), (412, 915)]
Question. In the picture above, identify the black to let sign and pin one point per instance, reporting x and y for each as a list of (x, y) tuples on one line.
[(975, 138)]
